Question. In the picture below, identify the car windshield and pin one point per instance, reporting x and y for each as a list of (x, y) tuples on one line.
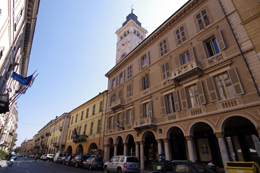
[(202, 168), (132, 159)]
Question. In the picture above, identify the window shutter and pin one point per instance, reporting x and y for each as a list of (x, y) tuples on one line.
[(141, 111), (150, 108), (115, 120), (123, 119), (163, 71), (140, 64), (177, 61), (176, 101), (202, 98), (202, 51), (132, 115), (124, 76), (116, 81), (184, 102), (130, 90), (147, 81), (148, 58), (235, 81), (211, 89), (140, 84), (167, 69), (109, 101), (162, 105), (191, 51), (220, 40), (112, 125), (127, 91)]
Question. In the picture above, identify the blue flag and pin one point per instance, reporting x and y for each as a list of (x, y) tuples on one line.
[(76, 133), (22, 80)]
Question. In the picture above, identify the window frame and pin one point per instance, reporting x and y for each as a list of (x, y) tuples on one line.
[(166, 73), (203, 24), (87, 112), (163, 47), (91, 128), (182, 39), (94, 110), (129, 71), (212, 43)]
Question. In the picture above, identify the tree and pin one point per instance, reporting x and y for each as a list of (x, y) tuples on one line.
[(16, 150)]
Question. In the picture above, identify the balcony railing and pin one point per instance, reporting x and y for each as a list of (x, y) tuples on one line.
[(186, 70), (215, 59), (119, 103), (80, 138), (149, 122)]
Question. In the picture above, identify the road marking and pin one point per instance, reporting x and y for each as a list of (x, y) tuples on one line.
[(27, 171)]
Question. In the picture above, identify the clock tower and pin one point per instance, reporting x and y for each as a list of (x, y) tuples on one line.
[(129, 36)]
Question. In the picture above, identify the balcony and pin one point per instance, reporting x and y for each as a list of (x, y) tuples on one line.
[(119, 103), (186, 70), (145, 123), (80, 138)]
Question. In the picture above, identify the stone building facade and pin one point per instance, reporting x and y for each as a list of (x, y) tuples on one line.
[(188, 90)]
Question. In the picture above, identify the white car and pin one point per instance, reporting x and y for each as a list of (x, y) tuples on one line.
[(49, 157), (14, 157)]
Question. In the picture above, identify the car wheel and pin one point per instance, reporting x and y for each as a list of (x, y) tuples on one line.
[(90, 168), (105, 170), (119, 170), (76, 165)]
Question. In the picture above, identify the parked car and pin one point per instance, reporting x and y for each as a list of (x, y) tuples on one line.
[(19, 155), (78, 160), (68, 159), (122, 164), (58, 156), (93, 163), (184, 166), (14, 157), (43, 157), (49, 157)]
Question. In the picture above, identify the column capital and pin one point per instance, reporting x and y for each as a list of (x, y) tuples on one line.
[(189, 138), (220, 134), (159, 140), (165, 140), (125, 144), (141, 142), (136, 143), (115, 145)]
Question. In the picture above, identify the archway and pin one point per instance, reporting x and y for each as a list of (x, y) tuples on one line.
[(242, 139), (177, 144), (69, 150), (130, 145), (150, 149), (120, 146), (111, 148), (79, 149), (93, 149), (206, 144)]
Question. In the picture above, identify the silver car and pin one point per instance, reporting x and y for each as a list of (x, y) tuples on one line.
[(122, 164)]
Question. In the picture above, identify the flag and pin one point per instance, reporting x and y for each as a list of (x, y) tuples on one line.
[(22, 80), (76, 133), (32, 80), (21, 91)]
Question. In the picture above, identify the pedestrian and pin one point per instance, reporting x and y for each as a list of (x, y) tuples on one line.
[(25, 157), (36, 156)]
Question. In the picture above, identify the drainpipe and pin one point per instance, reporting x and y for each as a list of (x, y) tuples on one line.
[(240, 50)]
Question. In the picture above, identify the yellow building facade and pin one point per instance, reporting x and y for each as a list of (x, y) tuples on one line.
[(86, 132)]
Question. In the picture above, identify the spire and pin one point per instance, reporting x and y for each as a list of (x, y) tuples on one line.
[(131, 16)]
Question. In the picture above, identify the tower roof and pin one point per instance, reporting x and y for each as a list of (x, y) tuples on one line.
[(133, 17)]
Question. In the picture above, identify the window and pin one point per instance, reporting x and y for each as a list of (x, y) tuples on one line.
[(203, 19), (129, 91), (163, 47), (211, 46), (101, 106), (121, 77), (146, 110), (123, 55), (144, 60), (82, 115), (114, 83), (128, 116), (79, 130), (144, 83), (180, 35), (169, 100), (91, 128), (110, 123), (72, 119), (129, 72), (85, 129), (113, 98), (224, 86), (120, 94), (94, 108), (185, 58), (76, 118), (193, 96), (166, 70), (87, 113), (99, 126)]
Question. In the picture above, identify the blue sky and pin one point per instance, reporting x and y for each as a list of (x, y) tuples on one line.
[(74, 46)]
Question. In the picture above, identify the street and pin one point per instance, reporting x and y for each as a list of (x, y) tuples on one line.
[(30, 166)]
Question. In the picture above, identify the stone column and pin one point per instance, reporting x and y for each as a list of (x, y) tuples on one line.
[(142, 155), (190, 148), (137, 149), (106, 152), (223, 148), (115, 149), (125, 149), (159, 146), (166, 147)]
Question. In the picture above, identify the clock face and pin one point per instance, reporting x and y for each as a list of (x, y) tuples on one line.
[(123, 45)]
